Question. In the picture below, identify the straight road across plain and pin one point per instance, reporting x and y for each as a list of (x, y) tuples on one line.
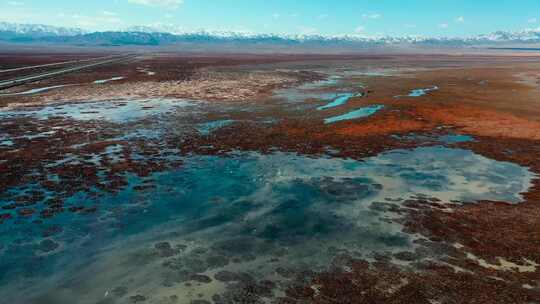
[(31, 67), (40, 76)]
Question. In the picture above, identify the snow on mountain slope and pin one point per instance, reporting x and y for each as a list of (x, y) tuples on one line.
[(39, 30), (169, 35)]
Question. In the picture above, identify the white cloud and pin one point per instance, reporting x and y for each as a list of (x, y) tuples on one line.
[(359, 29), (460, 19), (372, 16), (532, 20), (306, 30), (108, 13), (15, 3), (102, 21), (161, 3), (443, 25)]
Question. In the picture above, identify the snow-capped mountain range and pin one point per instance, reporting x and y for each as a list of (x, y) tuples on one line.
[(140, 35), (39, 30), (529, 35)]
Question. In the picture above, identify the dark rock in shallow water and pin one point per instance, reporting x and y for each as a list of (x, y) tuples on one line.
[(280, 252), (225, 276), (167, 300), (406, 256), (380, 206), (199, 250), (53, 230), (48, 246), (234, 247), (119, 291), (26, 212), (246, 292), (195, 265), (9, 206), (284, 272), (332, 250), (342, 260), (165, 250), (162, 246), (180, 247), (172, 278), (229, 276), (217, 261), (137, 299), (200, 302), (348, 187), (200, 278), (4, 216), (249, 257)]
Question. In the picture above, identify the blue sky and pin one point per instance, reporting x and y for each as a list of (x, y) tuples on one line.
[(327, 17)]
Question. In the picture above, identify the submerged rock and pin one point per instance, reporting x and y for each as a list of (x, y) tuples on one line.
[(200, 278), (199, 302), (165, 249), (137, 299), (229, 276), (48, 245), (217, 261), (119, 291)]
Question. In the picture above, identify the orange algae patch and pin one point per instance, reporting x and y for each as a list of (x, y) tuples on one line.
[(390, 123), (470, 119), (478, 121), (383, 127)]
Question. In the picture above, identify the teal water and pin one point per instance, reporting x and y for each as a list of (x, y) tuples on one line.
[(111, 111), (207, 127), (444, 139), (420, 92), (359, 113), (317, 90), (454, 139), (339, 101), (259, 204), (5, 140)]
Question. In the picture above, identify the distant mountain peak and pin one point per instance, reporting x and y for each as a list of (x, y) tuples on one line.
[(166, 35), (40, 30)]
